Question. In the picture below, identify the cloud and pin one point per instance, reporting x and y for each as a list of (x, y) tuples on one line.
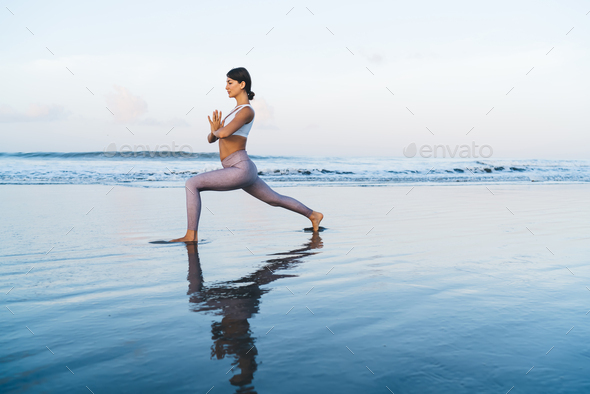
[(126, 106), (374, 58), (264, 114), (35, 113)]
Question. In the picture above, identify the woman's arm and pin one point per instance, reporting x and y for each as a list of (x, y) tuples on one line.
[(211, 138), (245, 115)]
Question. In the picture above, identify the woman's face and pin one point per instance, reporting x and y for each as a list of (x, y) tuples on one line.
[(233, 87)]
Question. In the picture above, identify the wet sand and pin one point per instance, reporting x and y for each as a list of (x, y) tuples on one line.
[(454, 288)]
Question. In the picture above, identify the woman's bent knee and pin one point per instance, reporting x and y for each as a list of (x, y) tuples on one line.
[(192, 182)]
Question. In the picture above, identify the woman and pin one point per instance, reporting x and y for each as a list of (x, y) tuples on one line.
[(238, 172)]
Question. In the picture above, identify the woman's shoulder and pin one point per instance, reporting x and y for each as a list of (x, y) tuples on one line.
[(248, 107)]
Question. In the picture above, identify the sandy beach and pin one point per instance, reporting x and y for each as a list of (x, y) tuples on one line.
[(432, 288)]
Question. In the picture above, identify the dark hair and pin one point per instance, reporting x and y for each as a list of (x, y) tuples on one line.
[(240, 74)]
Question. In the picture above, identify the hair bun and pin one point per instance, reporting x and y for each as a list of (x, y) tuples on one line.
[(250, 95)]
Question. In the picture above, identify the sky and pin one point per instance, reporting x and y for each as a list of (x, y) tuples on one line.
[(344, 78)]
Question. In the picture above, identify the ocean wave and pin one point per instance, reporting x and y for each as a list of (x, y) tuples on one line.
[(96, 168), (156, 155)]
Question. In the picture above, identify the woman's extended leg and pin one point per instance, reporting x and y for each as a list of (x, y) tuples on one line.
[(262, 191)]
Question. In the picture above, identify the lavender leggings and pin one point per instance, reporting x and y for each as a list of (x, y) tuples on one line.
[(238, 172)]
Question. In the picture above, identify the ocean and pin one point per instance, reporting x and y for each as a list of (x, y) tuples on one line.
[(171, 169)]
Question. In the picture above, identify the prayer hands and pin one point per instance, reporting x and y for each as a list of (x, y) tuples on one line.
[(216, 124)]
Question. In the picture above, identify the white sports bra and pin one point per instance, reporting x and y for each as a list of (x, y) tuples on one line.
[(245, 129)]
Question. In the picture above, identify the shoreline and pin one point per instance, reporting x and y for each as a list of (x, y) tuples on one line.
[(150, 185)]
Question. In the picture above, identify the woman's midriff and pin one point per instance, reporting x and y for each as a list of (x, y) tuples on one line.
[(229, 145)]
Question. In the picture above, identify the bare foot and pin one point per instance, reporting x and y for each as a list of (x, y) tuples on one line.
[(316, 218), (191, 236)]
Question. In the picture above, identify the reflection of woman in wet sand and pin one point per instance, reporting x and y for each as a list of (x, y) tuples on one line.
[(232, 335), (238, 172)]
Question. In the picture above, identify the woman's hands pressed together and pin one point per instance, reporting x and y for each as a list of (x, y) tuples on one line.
[(216, 123)]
